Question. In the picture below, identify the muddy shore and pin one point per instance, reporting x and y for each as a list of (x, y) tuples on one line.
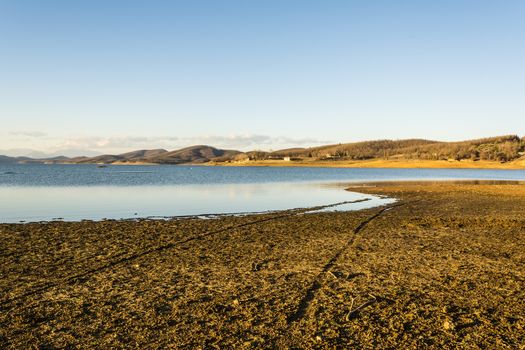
[(444, 267)]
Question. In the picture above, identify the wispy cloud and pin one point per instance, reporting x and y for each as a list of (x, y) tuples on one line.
[(248, 142), (88, 145), (242, 142), (115, 143), (28, 133)]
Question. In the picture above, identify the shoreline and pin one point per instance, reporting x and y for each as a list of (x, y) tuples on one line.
[(381, 201), (356, 187), (374, 163), (387, 164), (445, 262)]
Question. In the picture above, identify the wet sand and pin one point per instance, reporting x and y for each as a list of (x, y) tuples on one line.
[(444, 267)]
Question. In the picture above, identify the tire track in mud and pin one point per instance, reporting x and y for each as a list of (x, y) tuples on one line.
[(81, 277), (316, 285)]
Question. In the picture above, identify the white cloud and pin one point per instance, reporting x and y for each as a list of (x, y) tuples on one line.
[(28, 133), (115, 144), (241, 142), (90, 145), (250, 142)]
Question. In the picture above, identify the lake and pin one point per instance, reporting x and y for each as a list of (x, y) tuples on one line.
[(39, 192)]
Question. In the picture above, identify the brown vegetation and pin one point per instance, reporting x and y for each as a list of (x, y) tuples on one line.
[(503, 148)]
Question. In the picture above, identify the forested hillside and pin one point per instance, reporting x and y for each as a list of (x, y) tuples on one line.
[(502, 148)]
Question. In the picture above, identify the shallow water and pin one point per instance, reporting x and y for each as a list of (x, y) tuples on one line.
[(37, 192), (116, 202)]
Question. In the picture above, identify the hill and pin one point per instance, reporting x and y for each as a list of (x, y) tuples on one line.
[(195, 154), (6, 159), (501, 149), (189, 155)]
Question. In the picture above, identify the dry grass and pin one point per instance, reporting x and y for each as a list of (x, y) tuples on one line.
[(382, 163)]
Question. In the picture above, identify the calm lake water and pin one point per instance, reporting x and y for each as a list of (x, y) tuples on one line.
[(37, 192)]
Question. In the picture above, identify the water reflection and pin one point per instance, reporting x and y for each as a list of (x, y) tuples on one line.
[(117, 202)]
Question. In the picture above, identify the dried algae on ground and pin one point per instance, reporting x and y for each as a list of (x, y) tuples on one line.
[(444, 270)]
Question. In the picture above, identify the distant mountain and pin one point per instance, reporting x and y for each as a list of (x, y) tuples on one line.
[(188, 155), (143, 154), (501, 148), (35, 154), (6, 159), (129, 157), (195, 154)]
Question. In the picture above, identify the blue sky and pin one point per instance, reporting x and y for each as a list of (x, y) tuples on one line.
[(109, 76)]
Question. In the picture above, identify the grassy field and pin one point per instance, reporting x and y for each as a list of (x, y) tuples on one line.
[(444, 267)]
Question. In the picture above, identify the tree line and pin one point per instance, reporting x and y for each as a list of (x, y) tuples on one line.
[(501, 148)]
